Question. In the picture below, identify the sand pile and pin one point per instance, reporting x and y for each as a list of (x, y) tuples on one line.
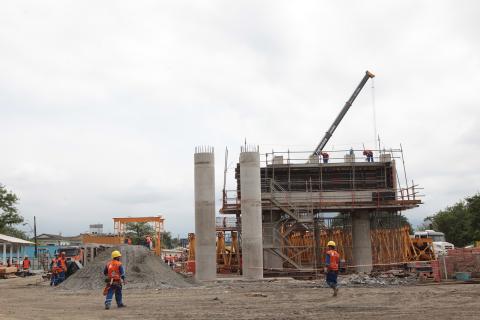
[(142, 268)]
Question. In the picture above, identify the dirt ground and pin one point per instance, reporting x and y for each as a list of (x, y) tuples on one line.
[(30, 298)]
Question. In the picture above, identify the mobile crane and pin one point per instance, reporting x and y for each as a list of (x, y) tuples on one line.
[(342, 113)]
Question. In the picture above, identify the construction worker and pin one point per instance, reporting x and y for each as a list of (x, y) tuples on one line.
[(149, 242), (325, 157), (54, 270), (115, 277), (61, 268), (369, 155), (26, 266), (332, 260)]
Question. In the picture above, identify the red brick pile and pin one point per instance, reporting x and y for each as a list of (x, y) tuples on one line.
[(461, 260)]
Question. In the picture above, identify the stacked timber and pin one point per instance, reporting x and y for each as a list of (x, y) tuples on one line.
[(7, 272)]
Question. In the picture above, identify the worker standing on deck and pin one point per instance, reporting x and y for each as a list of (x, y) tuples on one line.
[(331, 266), (369, 155), (26, 266), (115, 276), (325, 157)]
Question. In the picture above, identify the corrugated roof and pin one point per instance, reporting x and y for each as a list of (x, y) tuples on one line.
[(8, 239)]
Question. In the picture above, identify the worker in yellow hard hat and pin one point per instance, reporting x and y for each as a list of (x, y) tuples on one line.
[(332, 261), (115, 277)]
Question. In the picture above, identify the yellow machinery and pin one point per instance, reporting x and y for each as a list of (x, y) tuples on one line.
[(228, 256)]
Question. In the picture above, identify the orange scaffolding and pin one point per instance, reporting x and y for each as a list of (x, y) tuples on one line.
[(119, 225)]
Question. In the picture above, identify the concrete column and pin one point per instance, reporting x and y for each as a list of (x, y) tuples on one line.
[(92, 253), (251, 204), (362, 245), (85, 256), (18, 254), (205, 235), (11, 253), (4, 260)]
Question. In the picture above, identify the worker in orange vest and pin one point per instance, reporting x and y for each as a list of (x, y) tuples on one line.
[(115, 277), (61, 268), (54, 270), (332, 261), (26, 266)]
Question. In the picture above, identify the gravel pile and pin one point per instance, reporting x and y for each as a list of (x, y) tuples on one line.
[(143, 270), (383, 280)]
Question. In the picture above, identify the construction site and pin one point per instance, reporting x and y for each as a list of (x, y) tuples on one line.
[(262, 254)]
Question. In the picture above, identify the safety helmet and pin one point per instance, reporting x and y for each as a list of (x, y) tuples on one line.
[(116, 254), (331, 244)]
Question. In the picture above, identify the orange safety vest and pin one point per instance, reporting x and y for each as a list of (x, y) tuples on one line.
[(26, 264), (113, 270), (63, 264), (334, 260)]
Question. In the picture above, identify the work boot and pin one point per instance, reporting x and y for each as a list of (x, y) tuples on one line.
[(335, 292), (122, 305), (107, 306)]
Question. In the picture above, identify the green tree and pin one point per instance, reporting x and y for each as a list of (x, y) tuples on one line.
[(137, 231), (460, 223), (9, 216), (168, 242)]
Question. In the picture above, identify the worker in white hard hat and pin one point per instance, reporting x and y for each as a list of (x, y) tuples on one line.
[(332, 261), (115, 277)]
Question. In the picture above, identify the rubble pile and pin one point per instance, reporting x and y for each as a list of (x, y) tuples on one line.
[(143, 270), (380, 280)]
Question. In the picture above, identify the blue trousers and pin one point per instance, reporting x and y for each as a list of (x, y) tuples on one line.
[(331, 278), (58, 278), (117, 289)]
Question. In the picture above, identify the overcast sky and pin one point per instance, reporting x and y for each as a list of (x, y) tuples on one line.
[(103, 102)]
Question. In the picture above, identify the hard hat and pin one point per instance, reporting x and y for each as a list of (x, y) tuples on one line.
[(331, 244), (116, 254), (63, 253)]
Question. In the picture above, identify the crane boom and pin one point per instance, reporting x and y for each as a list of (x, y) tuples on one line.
[(342, 113)]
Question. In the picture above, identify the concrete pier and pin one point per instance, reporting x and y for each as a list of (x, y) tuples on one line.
[(362, 246), (251, 204), (205, 251)]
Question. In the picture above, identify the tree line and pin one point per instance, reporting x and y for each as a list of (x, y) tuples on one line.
[(460, 222)]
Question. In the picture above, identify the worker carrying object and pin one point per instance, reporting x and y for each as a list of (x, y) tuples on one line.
[(369, 155), (26, 266), (332, 261), (115, 277), (325, 157)]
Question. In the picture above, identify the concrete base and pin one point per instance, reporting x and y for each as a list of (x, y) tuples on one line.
[(362, 245)]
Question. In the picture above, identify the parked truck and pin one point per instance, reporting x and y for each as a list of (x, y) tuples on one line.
[(440, 245)]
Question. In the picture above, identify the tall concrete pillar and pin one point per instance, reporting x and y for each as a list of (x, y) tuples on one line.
[(251, 204), (362, 244), (205, 235)]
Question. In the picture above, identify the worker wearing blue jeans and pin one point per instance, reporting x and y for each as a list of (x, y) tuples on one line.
[(332, 262), (115, 276)]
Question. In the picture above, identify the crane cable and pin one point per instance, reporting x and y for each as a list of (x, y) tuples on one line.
[(374, 114)]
